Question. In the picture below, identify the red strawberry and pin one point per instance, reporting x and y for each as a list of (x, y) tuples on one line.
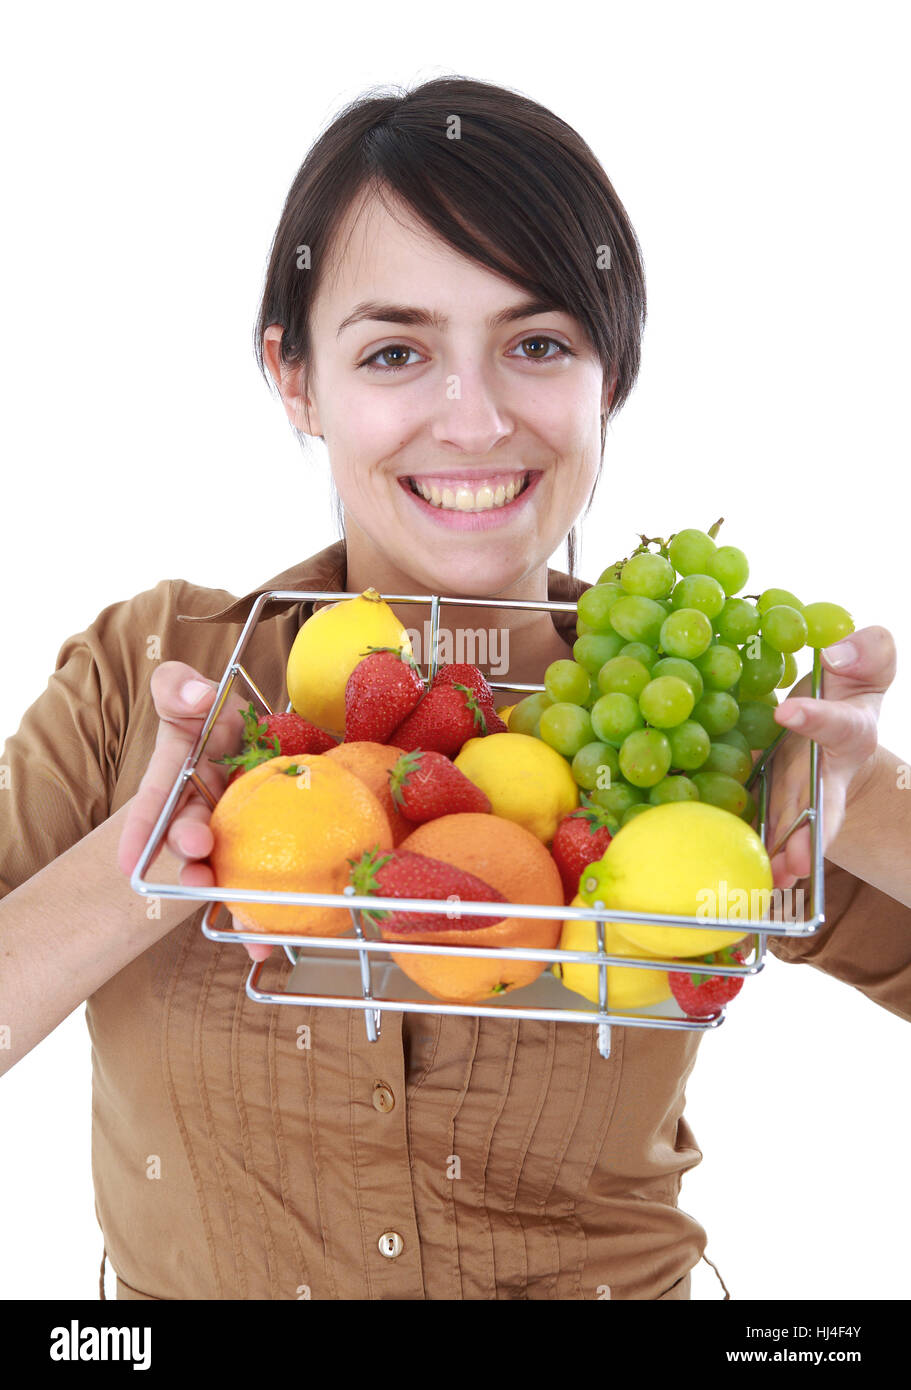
[(382, 690), (447, 717), (274, 735), (580, 839), (426, 784), (404, 874), (495, 725), (465, 674), (700, 996)]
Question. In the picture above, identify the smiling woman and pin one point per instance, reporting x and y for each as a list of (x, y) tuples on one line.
[(454, 302)]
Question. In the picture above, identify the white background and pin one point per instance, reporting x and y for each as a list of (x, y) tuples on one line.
[(761, 155)]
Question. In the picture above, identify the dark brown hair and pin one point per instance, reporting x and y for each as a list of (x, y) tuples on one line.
[(519, 191)]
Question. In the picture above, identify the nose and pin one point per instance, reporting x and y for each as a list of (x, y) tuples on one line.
[(471, 416)]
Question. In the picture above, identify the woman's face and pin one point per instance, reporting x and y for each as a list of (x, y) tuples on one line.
[(431, 426)]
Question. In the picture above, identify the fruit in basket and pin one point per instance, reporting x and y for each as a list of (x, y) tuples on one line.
[(446, 718), (581, 838), (425, 784), (274, 735), (373, 762), (628, 987), (327, 648), (684, 858), (526, 780), (700, 995), (510, 859), (381, 691), (405, 874), (289, 825)]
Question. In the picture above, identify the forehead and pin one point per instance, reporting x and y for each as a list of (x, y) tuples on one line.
[(383, 251)]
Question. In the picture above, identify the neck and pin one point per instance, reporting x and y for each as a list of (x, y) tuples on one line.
[(506, 643)]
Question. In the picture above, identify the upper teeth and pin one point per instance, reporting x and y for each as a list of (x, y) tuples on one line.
[(466, 499)]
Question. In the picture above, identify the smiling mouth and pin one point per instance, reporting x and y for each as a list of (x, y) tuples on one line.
[(455, 495)]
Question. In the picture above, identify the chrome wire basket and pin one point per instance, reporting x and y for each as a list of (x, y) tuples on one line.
[(357, 966)]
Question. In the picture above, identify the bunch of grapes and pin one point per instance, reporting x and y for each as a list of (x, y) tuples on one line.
[(672, 686)]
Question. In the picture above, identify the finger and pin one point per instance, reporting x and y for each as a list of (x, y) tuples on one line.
[(864, 661), (253, 949), (844, 729)]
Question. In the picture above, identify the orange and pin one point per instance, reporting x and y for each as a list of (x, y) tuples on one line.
[(372, 763), (282, 831), (512, 860)]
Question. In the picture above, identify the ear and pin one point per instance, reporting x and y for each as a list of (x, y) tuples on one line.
[(302, 414), (610, 392)]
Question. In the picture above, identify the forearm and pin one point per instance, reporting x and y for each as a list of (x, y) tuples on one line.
[(874, 842), (71, 927)]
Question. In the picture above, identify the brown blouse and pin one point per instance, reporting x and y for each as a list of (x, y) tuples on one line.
[(232, 1162)]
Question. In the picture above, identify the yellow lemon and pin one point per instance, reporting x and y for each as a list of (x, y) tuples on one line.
[(327, 648), (627, 987), (526, 780), (682, 858)]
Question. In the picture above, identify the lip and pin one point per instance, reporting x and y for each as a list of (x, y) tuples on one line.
[(485, 520)]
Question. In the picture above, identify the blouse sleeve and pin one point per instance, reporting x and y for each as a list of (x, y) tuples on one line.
[(58, 771), (865, 942)]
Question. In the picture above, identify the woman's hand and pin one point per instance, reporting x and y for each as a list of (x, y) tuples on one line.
[(858, 671), (182, 699)]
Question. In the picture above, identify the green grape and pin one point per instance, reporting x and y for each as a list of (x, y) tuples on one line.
[(612, 574), (790, 672), (666, 605), (686, 633), (784, 628), (566, 727), (583, 629), (593, 690), (699, 591), (640, 652), (749, 811), (763, 668), (649, 575), (724, 757), (770, 598), (633, 811), (717, 712), (738, 621), (567, 682), (528, 711), (757, 723), (618, 797), (637, 619), (645, 757), (594, 648), (678, 666), (613, 717), (827, 623), (676, 788), (594, 606), (625, 674), (594, 764), (690, 551), (690, 745), (735, 738), (730, 567), (720, 790), (720, 666), (666, 702)]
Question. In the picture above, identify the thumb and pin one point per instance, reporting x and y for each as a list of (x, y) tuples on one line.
[(861, 664)]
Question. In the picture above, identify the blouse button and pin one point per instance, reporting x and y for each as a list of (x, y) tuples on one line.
[(383, 1099), (391, 1245)]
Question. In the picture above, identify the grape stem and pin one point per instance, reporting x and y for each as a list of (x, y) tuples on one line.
[(715, 528)]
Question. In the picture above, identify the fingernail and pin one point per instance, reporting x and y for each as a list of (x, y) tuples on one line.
[(191, 692), (792, 717), (842, 654)]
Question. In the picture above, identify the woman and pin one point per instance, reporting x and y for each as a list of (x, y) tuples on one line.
[(455, 299)]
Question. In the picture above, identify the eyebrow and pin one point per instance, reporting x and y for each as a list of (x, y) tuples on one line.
[(375, 310)]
